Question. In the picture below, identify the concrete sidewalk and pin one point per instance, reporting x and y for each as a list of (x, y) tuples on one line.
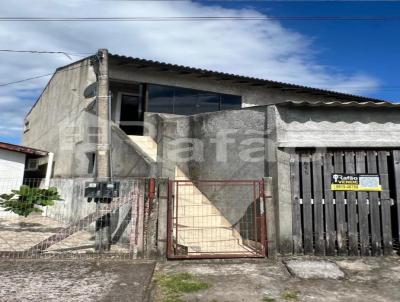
[(287, 279), (74, 280), (338, 279)]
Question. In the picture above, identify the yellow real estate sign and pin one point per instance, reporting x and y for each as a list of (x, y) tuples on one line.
[(355, 182)]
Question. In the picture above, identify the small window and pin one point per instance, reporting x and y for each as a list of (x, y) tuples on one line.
[(26, 125), (92, 162), (32, 164)]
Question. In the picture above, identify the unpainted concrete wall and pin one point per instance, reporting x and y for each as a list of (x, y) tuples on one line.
[(60, 121), (127, 160), (193, 144)]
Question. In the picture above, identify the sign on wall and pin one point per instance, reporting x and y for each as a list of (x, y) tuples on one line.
[(355, 182)]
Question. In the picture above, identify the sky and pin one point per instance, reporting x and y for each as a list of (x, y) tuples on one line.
[(354, 56)]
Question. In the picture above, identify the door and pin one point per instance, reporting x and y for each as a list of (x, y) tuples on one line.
[(130, 113)]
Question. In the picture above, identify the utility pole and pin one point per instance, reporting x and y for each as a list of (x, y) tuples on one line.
[(103, 144), (103, 233)]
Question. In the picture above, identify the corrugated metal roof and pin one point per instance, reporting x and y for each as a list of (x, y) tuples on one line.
[(22, 149), (382, 104), (246, 80)]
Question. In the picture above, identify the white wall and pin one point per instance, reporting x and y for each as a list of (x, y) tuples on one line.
[(12, 166)]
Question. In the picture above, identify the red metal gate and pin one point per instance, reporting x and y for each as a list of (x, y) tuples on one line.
[(216, 219)]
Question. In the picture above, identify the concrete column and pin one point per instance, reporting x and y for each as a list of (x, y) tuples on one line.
[(103, 135), (270, 210), (278, 168), (103, 234), (284, 202), (162, 234)]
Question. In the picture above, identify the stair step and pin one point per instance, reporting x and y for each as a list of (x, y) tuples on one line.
[(146, 144), (203, 221), (197, 209), (205, 235)]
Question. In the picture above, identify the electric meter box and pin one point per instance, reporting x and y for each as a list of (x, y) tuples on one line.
[(101, 191), (92, 190), (110, 189)]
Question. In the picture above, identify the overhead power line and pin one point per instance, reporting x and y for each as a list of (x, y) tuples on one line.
[(25, 80), (199, 18), (40, 76), (67, 54), (45, 51)]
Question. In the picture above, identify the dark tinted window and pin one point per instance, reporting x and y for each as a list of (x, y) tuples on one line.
[(160, 99), (230, 102), (185, 102), (164, 99), (208, 102)]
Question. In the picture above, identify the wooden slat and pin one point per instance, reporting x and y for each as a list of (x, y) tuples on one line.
[(396, 165), (318, 207), (307, 210), (352, 219), (340, 208), (296, 213), (363, 211), (374, 208), (385, 203), (329, 208)]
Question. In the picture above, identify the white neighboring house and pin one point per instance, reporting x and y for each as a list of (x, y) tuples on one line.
[(19, 165)]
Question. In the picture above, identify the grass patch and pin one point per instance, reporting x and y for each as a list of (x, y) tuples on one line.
[(290, 295), (174, 285), (268, 299)]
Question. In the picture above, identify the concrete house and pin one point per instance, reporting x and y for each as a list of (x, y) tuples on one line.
[(110, 115)]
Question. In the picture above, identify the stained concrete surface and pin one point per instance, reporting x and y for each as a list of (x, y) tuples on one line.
[(74, 280), (314, 269), (366, 279)]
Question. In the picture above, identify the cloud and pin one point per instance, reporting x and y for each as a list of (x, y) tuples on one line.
[(259, 48)]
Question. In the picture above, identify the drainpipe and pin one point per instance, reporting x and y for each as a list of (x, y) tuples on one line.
[(103, 234)]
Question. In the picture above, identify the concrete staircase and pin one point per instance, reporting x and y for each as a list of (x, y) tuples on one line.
[(200, 227), (146, 144)]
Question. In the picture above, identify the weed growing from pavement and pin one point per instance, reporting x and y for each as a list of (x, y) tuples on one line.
[(174, 285), (290, 295)]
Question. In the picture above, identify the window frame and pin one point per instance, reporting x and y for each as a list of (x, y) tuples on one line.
[(117, 116)]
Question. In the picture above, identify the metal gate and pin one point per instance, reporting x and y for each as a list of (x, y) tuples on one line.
[(216, 219)]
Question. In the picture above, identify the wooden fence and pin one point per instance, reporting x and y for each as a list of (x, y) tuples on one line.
[(327, 222)]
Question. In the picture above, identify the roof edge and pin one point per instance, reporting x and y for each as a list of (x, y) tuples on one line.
[(22, 149), (253, 80)]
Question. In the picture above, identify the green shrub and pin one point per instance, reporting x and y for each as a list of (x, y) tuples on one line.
[(24, 201)]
